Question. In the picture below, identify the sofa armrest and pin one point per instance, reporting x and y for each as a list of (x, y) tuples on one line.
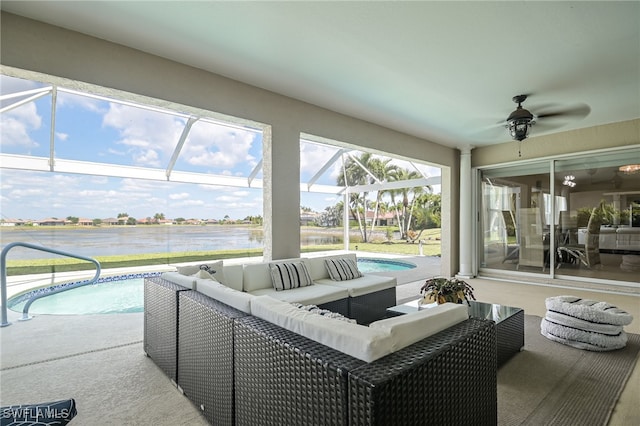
[(447, 378)]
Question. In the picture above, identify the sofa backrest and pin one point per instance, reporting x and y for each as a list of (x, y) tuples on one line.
[(227, 295), (257, 276), (177, 278), (233, 276), (318, 269)]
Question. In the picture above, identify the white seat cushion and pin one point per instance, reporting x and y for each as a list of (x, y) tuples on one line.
[(363, 285), (311, 295), (356, 340)]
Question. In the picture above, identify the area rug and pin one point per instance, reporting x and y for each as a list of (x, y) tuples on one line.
[(553, 384)]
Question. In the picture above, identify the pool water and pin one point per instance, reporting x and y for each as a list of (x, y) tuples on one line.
[(367, 265), (121, 296), (125, 294)]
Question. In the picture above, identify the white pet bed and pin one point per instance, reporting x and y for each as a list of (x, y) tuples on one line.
[(588, 310), (585, 324), (582, 339)]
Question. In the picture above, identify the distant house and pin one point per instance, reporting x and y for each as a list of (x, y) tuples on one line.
[(50, 222), (211, 221), (11, 222), (111, 221), (85, 222), (383, 219), (308, 218)]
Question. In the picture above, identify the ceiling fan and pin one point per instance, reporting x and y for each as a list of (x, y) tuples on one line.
[(520, 121)]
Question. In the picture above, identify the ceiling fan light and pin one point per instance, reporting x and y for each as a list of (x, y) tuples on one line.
[(519, 129), (630, 169)]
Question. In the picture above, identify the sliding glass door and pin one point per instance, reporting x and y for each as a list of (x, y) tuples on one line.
[(515, 206), (572, 218)]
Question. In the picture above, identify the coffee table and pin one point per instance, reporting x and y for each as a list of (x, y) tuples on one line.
[(509, 323)]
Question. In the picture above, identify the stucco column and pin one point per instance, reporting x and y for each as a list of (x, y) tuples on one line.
[(281, 192), (466, 214)]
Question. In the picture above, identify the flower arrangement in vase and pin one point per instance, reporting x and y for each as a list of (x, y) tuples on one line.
[(442, 290)]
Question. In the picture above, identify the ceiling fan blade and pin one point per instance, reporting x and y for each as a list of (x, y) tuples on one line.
[(576, 111), (544, 126)]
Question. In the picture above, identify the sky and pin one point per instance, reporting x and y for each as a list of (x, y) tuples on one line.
[(101, 131)]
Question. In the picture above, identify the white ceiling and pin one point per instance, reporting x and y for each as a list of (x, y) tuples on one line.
[(444, 71)]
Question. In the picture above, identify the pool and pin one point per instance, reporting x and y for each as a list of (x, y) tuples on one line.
[(383, 265), (110, 295)]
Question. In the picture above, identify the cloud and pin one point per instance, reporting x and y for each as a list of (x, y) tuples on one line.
[(188, 203), (62, 136), (29, 192), (147, 157), (314, 156), (71, 100), (227, 199), (218, 147), (16, 124), (148, 136), (180, 196), (15, 85)]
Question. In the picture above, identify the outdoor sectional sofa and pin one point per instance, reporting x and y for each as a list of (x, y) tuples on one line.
[(251, 359)]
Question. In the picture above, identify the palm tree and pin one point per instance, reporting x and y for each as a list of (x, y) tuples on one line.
[(382, 170), (409, 195), (354, 172)]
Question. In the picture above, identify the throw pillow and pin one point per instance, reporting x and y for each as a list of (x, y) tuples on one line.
[(342, 269), (285, 276), (324, 312), (213, 268)]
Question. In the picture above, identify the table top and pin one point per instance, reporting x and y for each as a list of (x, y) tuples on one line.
[(491, 311)]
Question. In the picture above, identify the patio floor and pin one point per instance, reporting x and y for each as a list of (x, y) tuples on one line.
[(99, 360)]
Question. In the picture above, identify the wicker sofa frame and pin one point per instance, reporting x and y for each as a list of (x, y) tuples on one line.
[(206, 355), (160, 338), (240, 369), (283, 378)]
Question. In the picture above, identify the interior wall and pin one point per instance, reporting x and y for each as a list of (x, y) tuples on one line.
[(35, 46), (624, 133)]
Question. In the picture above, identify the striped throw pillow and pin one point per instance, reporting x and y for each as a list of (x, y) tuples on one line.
[(342, 269), (286, 276)]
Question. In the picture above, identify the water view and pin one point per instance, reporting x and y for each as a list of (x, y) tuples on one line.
[(116, 240)]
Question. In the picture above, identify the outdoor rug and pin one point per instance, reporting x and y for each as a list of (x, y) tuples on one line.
[(553, 384)]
